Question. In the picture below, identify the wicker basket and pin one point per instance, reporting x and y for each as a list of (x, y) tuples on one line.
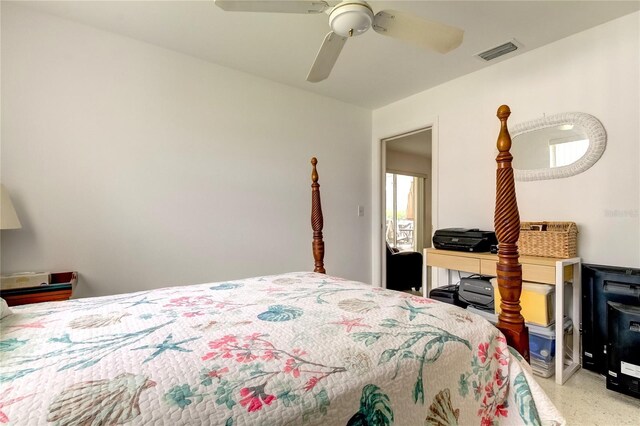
[(548, 239)]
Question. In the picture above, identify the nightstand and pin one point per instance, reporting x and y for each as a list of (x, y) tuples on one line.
[(61, 288)]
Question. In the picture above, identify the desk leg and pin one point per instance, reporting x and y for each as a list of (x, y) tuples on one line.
[(559, 321), (563, 373)]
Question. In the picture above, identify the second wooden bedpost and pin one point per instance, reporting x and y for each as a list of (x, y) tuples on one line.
[(507, 225), (317, 221)]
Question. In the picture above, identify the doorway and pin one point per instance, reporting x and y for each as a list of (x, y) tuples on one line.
[(407, 193)]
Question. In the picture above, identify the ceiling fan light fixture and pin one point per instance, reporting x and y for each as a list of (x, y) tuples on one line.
[(350, 19)]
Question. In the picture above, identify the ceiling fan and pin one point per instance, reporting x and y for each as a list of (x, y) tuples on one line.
[(351, 18)]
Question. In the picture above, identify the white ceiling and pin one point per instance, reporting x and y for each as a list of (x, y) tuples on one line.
[(372, 70)]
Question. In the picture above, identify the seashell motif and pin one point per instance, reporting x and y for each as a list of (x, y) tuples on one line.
[(287, 281), (357, 306), (356, 361), (97, 320), (279, 313), (441, 413), (461, 317), (100, 402)]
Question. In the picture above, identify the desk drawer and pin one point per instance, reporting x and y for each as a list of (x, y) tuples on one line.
[(534, 273), (459, 263), (530, 272)]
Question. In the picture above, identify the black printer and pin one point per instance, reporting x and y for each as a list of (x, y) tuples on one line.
[(463, 239)]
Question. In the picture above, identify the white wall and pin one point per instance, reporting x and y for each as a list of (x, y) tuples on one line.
[(597, 72), (141, 167)]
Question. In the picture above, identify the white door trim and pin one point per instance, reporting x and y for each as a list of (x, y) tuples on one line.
[(380, 137)]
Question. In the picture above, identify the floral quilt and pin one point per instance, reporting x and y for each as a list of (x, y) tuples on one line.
[(292, 349)]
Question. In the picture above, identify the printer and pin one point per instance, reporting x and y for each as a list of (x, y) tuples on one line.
[(477, 291), (463, 239)]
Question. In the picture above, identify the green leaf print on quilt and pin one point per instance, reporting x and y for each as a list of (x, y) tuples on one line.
[(279, 313), (409, 350), (375, 409), (11, 344), (182, 395), (524, 400), (226, 286), (77, 354), (316, 407)]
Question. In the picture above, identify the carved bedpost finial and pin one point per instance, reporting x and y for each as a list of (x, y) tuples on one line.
[(504, 139), (317, 221), (507, 225), (314, 172)]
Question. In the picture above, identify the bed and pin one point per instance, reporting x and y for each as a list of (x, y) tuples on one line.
[(290, 349)]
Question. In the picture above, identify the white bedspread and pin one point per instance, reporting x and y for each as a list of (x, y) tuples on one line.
[(299, 348)]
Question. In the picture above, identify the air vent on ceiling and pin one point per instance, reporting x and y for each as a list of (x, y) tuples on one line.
[(498, 51)]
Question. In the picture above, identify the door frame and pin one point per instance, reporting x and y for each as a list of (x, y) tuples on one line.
[(380, 137)]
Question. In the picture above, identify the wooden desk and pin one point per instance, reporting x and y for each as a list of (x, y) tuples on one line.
[(546, 270)]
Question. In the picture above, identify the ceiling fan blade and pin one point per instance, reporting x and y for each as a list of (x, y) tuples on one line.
[(326, 57), (427, 34), (295, 6)]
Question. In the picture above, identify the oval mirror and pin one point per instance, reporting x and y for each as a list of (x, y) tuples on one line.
[(556, 146)]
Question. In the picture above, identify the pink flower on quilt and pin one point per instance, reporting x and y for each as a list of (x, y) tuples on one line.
[(223, 341), (498, 378), (222, 344), (292, 367), (217, 373), (489, 389), (189, 301), (245, 356), (486, 421), (311, 383), (254, 398), (299, 352), (254, 336), (501, 411), (269, 355), (477, 391), (210, 355), (483, 348), (192, 314), (500, 356)]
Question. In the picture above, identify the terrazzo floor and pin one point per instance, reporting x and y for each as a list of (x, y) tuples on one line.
[(585, 401)]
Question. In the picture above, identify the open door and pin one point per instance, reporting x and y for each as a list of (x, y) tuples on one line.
[(407, 193)]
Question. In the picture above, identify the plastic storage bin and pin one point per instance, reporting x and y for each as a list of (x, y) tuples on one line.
[(542, 368), (542, 340)]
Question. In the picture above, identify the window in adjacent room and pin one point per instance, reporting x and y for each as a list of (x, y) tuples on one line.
[(401, 210)]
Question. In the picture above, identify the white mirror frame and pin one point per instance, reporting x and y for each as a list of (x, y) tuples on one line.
[(592, 127)]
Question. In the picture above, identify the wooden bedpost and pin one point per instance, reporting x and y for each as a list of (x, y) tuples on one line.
[(507, 225), (316, 220)]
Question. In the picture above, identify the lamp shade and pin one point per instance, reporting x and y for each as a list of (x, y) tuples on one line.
[(8, 217)]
